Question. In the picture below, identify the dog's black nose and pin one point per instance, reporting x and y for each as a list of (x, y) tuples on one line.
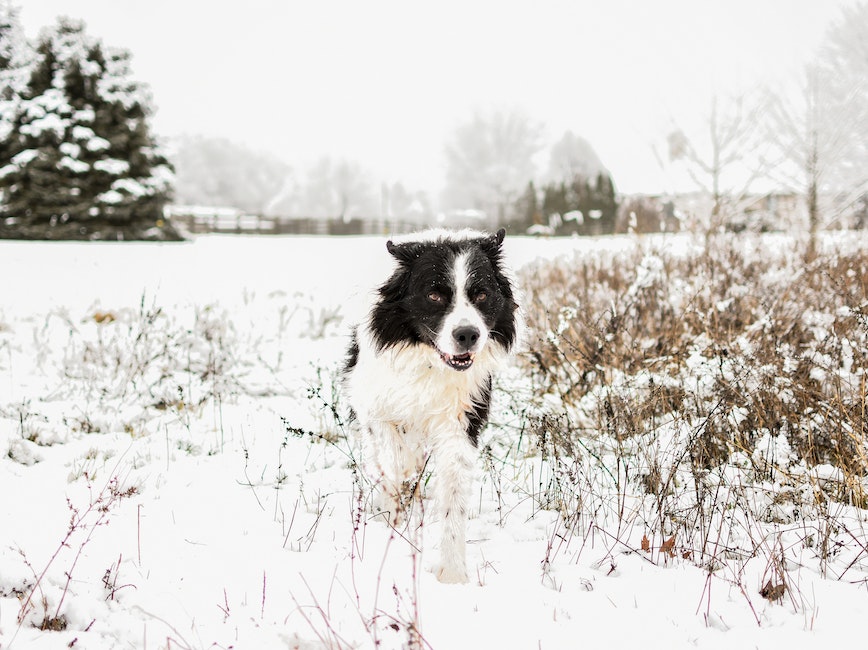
[(465, 336)]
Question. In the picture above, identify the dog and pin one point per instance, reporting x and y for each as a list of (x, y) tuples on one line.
[(418, 373)]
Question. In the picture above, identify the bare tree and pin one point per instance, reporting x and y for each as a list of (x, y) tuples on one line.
[(405, 205), (218, 172), (329, 189), (805, 141), (573, 156), (843, 62), (727, 158), (820, 131), (340, 189), (490, 160)]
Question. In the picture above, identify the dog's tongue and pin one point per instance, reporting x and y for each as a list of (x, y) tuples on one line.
[(458, 361)]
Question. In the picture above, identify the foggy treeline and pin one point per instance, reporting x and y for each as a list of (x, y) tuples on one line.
[(77, 156), (793, 156)]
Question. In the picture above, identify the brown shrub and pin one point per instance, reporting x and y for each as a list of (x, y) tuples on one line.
[(737, 338)]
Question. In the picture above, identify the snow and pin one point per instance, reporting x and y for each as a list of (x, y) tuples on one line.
[(112, 166), (85, 134), (25, 157), (130, 186), (83, 116), (51, 122), (195, 373), (94, 143), (161, 177), (74, 165)]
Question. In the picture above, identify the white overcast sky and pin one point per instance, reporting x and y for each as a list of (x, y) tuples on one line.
[(385, 82)]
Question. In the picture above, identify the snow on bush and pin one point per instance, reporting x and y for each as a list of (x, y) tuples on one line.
[(672, 389)]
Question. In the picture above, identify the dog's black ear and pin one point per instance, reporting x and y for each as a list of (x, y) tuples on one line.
[(403, 252), (491, 244)]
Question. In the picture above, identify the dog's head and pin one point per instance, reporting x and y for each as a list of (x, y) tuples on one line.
[(449, 291)]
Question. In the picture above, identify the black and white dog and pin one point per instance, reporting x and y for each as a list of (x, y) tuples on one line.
[(418, 374)]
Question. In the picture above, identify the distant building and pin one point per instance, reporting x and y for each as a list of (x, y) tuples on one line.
[(643, 213), (773, 211)]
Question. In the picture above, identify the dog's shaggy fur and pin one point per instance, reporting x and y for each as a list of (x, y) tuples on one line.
[(419, 369)]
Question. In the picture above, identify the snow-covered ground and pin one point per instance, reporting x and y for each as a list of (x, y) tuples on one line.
[(172, 475)]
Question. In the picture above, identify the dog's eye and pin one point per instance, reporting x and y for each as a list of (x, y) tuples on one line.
[(435, 296), (480, 297)]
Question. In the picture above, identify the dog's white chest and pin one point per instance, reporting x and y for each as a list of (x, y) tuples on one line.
[(412, 388)]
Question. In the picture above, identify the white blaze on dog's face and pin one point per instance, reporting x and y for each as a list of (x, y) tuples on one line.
[(463, 332)]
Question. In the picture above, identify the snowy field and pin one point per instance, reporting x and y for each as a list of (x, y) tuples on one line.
[(174, 475)]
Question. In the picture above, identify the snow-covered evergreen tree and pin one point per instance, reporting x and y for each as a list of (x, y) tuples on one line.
[(79, 160), (14, 53)]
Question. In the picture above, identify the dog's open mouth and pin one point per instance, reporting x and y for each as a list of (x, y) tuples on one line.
[(457, 361)]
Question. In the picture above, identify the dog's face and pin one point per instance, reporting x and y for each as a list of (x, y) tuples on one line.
[(450, 293)]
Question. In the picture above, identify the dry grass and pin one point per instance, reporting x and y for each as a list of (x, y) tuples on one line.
[(680, 390)]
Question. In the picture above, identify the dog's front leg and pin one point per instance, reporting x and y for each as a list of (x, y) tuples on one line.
[(399, 459), (453, 457)]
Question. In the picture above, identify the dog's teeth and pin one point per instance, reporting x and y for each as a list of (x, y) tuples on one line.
[(458, 361)]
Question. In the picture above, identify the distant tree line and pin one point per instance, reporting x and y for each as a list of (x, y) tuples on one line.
[(581, 206), (217, 172), (77, 159)]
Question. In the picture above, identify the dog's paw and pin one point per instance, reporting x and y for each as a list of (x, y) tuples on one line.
[(451, 575), (387, 509)]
